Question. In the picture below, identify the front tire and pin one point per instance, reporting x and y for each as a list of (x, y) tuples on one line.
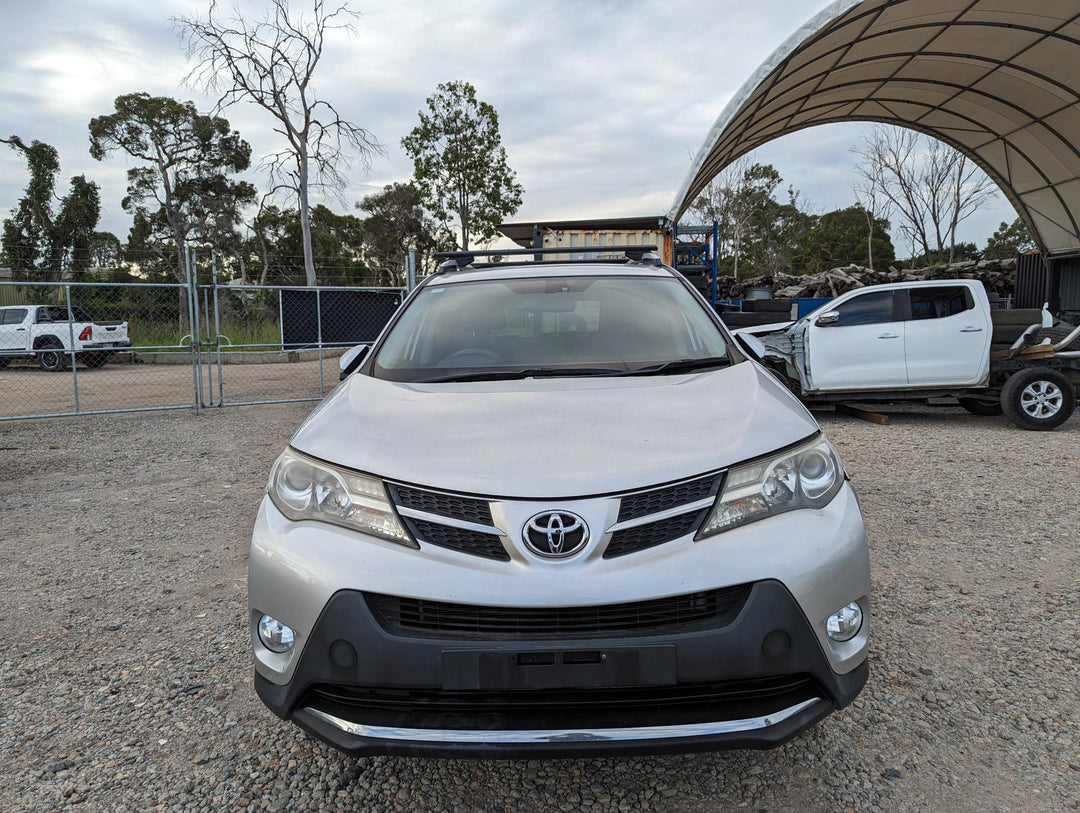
[(1038, 398)]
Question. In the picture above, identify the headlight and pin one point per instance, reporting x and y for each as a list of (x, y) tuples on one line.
[(806, 477), (304, 488)]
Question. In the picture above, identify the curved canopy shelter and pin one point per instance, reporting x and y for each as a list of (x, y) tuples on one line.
[(998, 80)]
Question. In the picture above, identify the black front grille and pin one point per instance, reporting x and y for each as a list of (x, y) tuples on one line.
[(640, 537), (477, 543), (406, 616), (661, 499), (447, 505), (578, 708)]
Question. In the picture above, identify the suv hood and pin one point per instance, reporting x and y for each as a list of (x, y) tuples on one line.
[(554, 438)]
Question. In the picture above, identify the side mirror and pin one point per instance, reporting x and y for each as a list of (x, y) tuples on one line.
[(830, 318), (351, 359), (752, 345)]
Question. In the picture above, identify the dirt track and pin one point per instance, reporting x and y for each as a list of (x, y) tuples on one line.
[(125, 669)]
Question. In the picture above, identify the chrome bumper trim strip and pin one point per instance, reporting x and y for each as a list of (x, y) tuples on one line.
[(561, 735)]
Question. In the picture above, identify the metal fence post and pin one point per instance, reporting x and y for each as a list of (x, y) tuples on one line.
[(191, 297), (217, 333), (410, 271), (318, 322), (196, 334), (71, 345)]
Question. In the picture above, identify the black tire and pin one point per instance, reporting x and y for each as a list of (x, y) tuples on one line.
[(1038, 398), (52, 359), (977, 406), (4, 362), (93, 360)]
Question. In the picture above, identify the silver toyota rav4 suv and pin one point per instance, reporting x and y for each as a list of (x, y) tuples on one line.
[(557, 510)]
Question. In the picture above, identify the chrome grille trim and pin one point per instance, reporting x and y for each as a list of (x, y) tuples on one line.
[(678, 510), (453, 522)]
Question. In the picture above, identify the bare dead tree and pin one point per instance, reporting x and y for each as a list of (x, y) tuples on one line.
[(719, 201), (271, 62), (932, 187), (875, 207)]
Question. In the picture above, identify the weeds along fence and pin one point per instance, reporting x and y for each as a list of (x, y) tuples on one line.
[(191, 346)]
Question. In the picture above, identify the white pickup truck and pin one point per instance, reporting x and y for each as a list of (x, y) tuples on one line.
[(918, 340), (46, 332)]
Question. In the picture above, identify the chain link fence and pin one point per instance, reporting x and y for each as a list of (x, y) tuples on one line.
[(79, 348)]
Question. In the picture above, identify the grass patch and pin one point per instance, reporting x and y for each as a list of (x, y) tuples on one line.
[(146, 333)]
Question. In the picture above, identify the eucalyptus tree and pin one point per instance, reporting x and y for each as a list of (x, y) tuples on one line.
[(182, 189), (929, 186), (271, 62), (38, 241), (459, 163)]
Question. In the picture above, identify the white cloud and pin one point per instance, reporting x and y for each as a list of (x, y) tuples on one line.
[(601, 103)]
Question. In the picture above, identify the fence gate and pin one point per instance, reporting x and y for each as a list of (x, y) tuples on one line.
[(192, 346)]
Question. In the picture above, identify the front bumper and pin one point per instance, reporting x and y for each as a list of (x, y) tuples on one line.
[(754, 678)]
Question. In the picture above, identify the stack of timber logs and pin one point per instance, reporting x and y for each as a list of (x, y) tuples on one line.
[(998, 276)]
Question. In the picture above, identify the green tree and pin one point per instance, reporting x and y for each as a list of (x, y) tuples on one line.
[(397, 224), (40, 243), (756, 230), (105, 250), (271, 62), (1009, 240), (839, 238), (459, 163), (183, 192), (337, 243)]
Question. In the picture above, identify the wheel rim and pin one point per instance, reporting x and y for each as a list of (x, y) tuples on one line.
[(1041, 399)]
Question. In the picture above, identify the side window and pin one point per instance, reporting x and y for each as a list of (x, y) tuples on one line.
[(937, 303), (14, 316), (868, 309)]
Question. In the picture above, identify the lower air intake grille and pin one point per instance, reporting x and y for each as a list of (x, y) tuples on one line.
[(406, 616)]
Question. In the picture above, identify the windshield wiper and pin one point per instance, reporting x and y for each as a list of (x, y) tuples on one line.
[(525, 372), (678, 366)]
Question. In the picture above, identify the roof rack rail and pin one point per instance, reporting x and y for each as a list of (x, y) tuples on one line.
[(455, 260)]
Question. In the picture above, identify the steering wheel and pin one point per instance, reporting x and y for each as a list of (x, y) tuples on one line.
[(474, 354)]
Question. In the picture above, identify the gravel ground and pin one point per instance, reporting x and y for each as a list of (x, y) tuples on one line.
[(126, 683)]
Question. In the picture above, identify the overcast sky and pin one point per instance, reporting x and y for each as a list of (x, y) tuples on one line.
[(602, 103)]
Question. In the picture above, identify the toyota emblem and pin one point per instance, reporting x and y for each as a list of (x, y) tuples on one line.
[(555, 534)]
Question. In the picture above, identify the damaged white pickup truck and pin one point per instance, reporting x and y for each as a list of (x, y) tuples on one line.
[(920, 340)]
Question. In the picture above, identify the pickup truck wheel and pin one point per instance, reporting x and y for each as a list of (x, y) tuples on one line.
[(53, 360), (977, 406), (1038, 398), (94, 360), (4, 362)]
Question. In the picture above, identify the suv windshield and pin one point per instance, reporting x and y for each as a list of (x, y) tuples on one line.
[(550, 326)]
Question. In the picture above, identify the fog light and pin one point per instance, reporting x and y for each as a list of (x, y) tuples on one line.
[(275, 636), (844, 624)]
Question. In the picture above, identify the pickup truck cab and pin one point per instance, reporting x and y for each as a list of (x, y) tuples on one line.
[(914, 340), (46, 332)]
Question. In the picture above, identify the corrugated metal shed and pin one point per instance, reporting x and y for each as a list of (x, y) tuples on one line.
[(1035, 285)]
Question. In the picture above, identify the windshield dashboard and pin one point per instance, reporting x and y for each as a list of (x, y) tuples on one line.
[(550, 327)]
